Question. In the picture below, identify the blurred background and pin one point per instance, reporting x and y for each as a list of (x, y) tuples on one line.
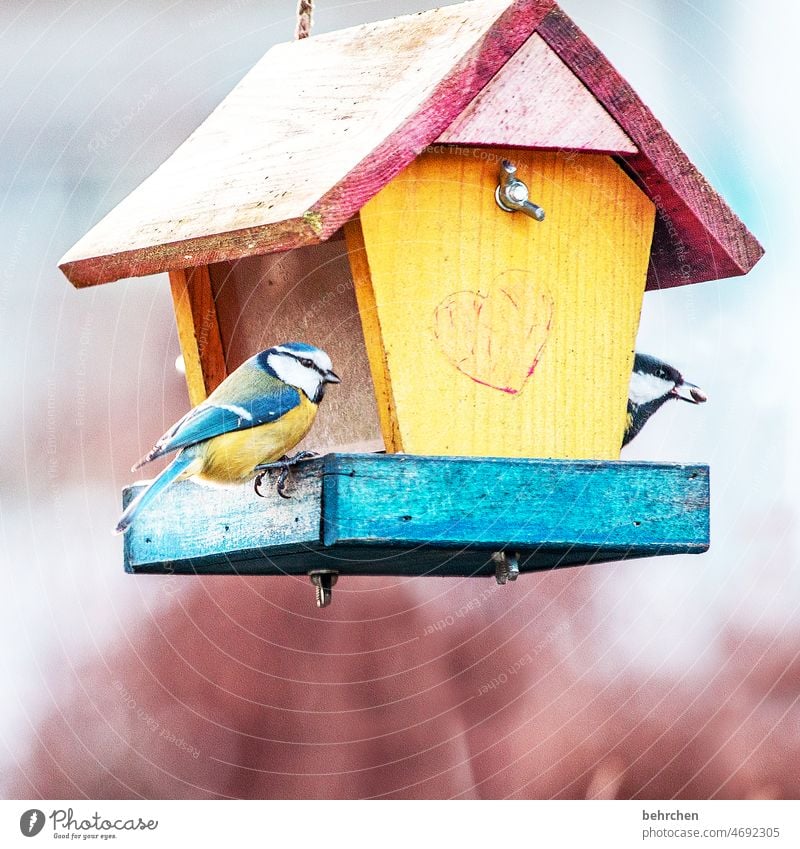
[(651, 679)]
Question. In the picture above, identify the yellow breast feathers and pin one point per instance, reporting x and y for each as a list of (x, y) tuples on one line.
[(232, 457)]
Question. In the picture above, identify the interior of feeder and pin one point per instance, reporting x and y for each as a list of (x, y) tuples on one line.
[(482, 332), (303, 295)]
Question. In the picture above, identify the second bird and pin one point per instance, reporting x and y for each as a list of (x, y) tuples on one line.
[(653, 383), (257, 414)]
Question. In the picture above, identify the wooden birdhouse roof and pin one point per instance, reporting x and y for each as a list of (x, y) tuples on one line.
[(320, 125)]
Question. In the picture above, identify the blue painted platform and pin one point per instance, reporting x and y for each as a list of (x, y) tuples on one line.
[(397, 514)]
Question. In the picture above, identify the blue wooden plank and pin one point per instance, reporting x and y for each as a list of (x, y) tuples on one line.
[(446, 502), (195, 528), (410, 515)]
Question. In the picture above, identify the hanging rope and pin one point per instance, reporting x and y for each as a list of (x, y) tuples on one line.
[(305, 9)]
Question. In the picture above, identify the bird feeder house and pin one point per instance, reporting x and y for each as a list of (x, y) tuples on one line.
[(464, 208)]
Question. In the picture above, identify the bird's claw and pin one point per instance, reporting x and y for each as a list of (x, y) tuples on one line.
[(257, 484), (281, 485), (285, 464)]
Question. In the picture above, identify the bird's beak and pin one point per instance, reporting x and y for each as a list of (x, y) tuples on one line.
[(689, 392), (331, 377)]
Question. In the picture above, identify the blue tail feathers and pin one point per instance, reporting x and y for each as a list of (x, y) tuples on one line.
[(171, 473)]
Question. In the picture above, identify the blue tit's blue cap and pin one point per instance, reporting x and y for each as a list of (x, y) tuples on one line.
[(298, 347)]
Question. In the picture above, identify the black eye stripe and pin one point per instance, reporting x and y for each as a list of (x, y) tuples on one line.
[(307, 363)]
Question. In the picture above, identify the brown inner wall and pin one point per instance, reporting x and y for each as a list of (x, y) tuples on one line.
[(304, 295)]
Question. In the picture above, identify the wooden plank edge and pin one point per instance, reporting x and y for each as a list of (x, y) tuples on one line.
[(440, 147), (421, 562), (198, 331), (202, 250), (389, 477), (373, 335)]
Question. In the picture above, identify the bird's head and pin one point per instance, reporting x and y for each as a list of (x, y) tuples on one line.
[(654, 380), (302, 366)]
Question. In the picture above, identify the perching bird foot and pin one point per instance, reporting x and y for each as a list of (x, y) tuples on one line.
[(285, 465)]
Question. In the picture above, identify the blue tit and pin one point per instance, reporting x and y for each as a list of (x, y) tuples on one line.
[(653, 383), (257, 414)]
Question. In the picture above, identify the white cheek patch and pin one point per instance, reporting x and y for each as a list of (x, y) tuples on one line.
[(647, 387), (323, 361), (319, 358), (290, 371)]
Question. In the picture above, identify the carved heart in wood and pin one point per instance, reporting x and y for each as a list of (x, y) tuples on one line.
[(496, 339)]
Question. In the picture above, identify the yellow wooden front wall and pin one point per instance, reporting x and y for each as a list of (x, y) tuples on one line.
[(492, 334)]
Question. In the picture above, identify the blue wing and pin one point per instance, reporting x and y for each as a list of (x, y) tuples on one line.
[(228, 409)]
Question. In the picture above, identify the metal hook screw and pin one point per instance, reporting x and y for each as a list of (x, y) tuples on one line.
[(323, 580), (512, 194), (506, 566)]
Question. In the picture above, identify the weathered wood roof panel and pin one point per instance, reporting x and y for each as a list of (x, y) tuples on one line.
[(346, 111), (536, 101), (322, 124), (697, 236)]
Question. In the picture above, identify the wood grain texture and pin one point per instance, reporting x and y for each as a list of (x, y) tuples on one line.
[(503, 336), (373, 337), (456, 501), (191, 525), (697, 236), (198, 331), (313, 131), (536, 101), (408, 515), (304, 295), (348, 120)]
